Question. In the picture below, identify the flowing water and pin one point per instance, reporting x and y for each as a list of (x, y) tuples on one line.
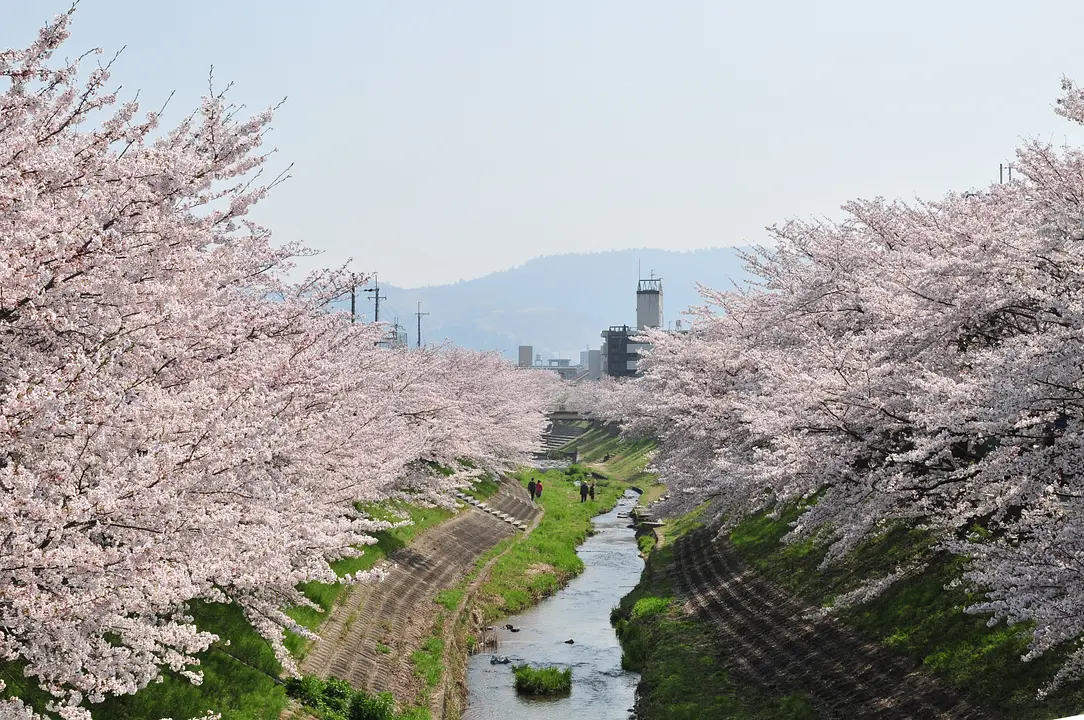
[(601, 690)]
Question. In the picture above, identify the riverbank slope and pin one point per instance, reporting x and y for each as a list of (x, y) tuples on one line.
[(724, 629)]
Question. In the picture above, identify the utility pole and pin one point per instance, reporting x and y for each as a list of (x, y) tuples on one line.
[(377, 297), (419, 314), (353, 296)]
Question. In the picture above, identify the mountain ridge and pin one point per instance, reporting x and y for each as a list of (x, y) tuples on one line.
[(558, 304)]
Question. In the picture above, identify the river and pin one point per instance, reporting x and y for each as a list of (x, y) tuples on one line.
[(601, 690)]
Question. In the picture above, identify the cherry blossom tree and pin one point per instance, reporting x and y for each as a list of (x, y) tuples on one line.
[(917, 363), (178, 419)]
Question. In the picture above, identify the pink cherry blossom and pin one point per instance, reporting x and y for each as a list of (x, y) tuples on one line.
[(919, 363), (178, 419)]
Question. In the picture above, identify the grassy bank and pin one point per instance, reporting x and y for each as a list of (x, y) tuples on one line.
[(680, 659), (541, 563), (620, 459), (922, 615)]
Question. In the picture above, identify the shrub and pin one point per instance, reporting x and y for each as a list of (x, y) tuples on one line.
[(542, 681), (334, 699), (648, 606), (372, 707)]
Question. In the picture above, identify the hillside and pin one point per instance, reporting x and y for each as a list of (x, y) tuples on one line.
[(559, 303)]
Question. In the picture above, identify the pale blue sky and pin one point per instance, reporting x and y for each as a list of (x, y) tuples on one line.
[(435, 141)]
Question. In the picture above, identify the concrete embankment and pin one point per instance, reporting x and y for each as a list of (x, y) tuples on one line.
[(781, 645), (369, 638)]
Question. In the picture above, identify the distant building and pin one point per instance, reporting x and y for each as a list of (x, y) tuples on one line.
[(395, 337), (594, 364), (649, 304), (525, 353), (623, 346), (617, 360)]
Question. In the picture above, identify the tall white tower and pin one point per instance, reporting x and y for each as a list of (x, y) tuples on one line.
[(649, 303)]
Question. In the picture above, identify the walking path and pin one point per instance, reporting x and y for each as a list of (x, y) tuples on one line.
[(772, 642), (368, 638)]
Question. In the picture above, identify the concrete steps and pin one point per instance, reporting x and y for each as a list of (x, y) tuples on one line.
[(511, 503)]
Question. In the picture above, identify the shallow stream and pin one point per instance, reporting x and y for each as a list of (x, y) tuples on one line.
[(601, 690)]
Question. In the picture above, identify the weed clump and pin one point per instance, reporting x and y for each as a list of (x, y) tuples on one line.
[(546, 681)]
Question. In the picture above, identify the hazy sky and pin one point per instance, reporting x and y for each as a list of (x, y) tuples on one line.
[(435, 141)]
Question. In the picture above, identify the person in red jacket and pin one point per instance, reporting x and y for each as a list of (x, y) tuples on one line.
[(538, 489)]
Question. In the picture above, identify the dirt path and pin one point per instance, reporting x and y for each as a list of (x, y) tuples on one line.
[(772, 643)]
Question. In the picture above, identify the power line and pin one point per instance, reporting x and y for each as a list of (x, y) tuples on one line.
[(420, 313)]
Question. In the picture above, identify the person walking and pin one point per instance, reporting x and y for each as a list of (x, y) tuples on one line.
[(592, 489), (538, 489), (583, 491), (532, 487)]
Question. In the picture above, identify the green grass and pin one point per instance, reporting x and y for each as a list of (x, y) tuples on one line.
[(653, 489), (326, 594), (449, 599), (920, 615), (239, 679), (540, 564), (627, 458), (333, 699), (645, 607), (483, 489), (680, 659), (428, 662), (547, 681), (684, 524)]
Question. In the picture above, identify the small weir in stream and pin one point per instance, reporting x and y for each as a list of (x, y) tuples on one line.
[(601, 690)]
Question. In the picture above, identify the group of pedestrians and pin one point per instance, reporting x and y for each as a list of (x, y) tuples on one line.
[(534, 487)]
